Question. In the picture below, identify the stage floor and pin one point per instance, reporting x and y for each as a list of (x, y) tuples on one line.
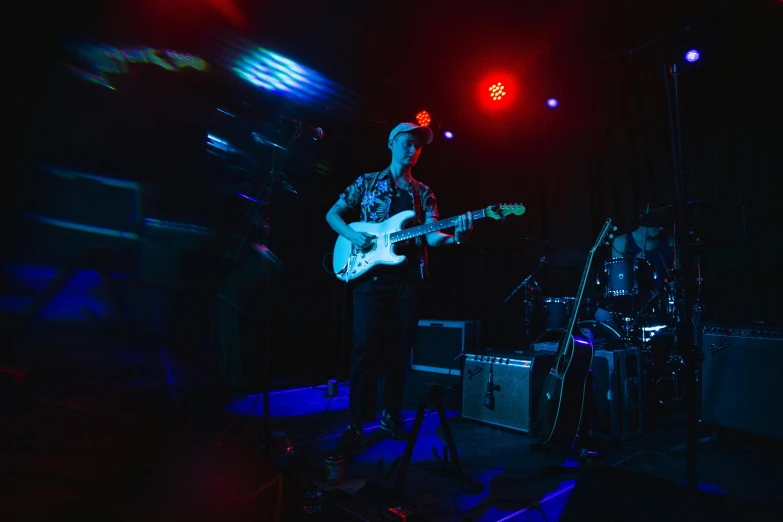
[(109, 450)]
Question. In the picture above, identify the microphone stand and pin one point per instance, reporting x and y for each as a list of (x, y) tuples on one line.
[(528, 305), (693, 355), (266, 321), (261, 219)]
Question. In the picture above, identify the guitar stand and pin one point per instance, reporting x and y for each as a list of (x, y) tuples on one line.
[(435, 398)]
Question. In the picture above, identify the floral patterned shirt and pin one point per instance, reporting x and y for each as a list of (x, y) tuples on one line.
[(372, 193)]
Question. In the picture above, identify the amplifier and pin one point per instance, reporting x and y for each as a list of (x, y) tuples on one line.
[(518, 380), (64, 216), (166, 245), (617, 389), (742, 378), (99, 204), (438, 345)]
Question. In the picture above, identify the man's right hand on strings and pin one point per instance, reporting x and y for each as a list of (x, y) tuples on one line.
[(361, 240)]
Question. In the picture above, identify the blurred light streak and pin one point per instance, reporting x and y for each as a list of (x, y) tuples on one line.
[(102, 60), (282, 77), (83, 228)]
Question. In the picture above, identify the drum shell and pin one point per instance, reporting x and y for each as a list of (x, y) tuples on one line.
[(555, 312), (628, 287), (551, 314)]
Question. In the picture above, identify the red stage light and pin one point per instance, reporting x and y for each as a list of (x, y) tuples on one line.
[(423, 118), (497, 91)]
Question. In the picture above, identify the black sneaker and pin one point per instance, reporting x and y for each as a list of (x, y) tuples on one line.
[(352, 440), (394, 426)]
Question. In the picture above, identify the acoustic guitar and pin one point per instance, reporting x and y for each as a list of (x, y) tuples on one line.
[(562, 399)]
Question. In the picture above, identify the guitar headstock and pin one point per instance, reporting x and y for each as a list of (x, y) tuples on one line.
[(501, 210), (604, 235)]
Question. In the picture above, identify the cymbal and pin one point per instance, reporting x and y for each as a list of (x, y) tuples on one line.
[(557, 254), (664, 216)]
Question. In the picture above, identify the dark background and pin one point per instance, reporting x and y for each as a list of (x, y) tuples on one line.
[(605, 152)]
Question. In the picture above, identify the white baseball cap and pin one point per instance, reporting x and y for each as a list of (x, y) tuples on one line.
[(425, 133)]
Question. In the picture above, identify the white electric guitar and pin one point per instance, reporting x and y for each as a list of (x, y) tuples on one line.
[(350, 262)]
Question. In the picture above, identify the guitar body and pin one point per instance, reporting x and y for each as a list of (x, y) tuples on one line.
[(562, 398), (561, 406), (350, 263)]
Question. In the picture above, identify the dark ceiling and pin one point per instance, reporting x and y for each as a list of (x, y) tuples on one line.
[(396, 55), (369, 44)]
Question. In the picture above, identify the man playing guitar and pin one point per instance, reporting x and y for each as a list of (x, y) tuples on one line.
[(385, 299)]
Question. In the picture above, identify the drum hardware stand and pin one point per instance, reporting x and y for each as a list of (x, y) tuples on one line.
[(528, 303), (627, 327), (698, 307)]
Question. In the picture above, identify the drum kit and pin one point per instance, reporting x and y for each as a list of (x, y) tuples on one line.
[(638, 301)]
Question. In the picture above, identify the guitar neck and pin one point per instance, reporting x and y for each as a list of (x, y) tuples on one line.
[(583, 282), (579, 295), (420, 230)]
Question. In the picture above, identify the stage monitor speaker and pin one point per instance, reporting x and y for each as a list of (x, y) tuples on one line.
[(614, 494), (517, 381), (742, 380)]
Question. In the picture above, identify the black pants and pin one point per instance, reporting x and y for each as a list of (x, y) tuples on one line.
[(384, 324)]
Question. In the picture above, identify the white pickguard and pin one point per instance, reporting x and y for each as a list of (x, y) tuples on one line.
[(350, 263)]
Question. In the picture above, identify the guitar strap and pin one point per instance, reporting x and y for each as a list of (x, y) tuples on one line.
[(420, 217), (416, 208), (416, 195)]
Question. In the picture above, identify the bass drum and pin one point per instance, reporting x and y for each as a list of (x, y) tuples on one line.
[(604, 336)]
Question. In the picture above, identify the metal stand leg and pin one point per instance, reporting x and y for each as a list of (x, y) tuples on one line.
[(434, 397)]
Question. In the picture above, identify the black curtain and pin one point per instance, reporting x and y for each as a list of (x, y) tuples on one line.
[(606, 152)]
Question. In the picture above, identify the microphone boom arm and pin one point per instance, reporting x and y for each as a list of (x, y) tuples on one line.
[(541, 263)]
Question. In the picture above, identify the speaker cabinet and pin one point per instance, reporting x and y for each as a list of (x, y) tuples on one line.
[(517, 383), (742, 379)]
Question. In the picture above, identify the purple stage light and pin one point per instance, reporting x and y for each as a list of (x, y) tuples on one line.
[(448, 135), (692, 55), (552, 103)]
